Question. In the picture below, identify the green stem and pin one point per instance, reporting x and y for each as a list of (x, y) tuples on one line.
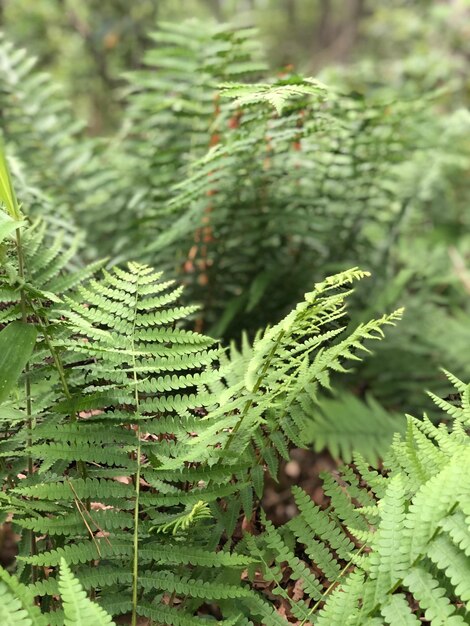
[(249, 402), (135, 563), (27, 384), (43, 324), (135, 559), (330, 588)]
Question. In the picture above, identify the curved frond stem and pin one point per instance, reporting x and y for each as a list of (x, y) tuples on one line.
[(43, 324), (258, 383)]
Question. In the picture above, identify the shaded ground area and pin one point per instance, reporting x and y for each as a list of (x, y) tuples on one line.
[(303, 470)]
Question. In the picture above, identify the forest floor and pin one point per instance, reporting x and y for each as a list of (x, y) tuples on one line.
[(302, 470)]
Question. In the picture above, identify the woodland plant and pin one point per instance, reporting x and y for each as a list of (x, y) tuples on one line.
[(134, 449), (394, 543), (18, 607)]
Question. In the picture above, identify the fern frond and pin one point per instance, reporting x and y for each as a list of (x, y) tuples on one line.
[(398, 612), (78, 609), (345, 425), (17, 606), (182, 522), (403, 555), (387, 563), (454, 562), (291, 359), (277, 95), (432, 598), (49, 144)]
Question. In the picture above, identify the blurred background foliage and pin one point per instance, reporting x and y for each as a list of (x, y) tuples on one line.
[(87, 45)]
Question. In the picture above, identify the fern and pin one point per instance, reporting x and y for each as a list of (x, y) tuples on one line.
[(172, 116), (243, 204), (182, 522), (55, 165), (18, 608), (256, 197), (215, 190), (125, 370), (123, 340), (138, 374), (373, 554), (78, 609), (135, 448), (344, 424), (277, 96), (291, 360)]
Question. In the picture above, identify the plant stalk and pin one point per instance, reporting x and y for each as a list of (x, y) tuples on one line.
[(135, 558), (27, 384)]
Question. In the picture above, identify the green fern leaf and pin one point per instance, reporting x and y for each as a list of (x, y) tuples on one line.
[(78, 609), (397, 612), (431, 598), (17, 606)]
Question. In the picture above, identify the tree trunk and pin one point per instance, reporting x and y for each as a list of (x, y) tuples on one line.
[(291, 11), (334, 40), (216, 8)]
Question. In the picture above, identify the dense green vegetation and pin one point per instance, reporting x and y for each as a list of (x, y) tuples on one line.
[(181, 306)]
